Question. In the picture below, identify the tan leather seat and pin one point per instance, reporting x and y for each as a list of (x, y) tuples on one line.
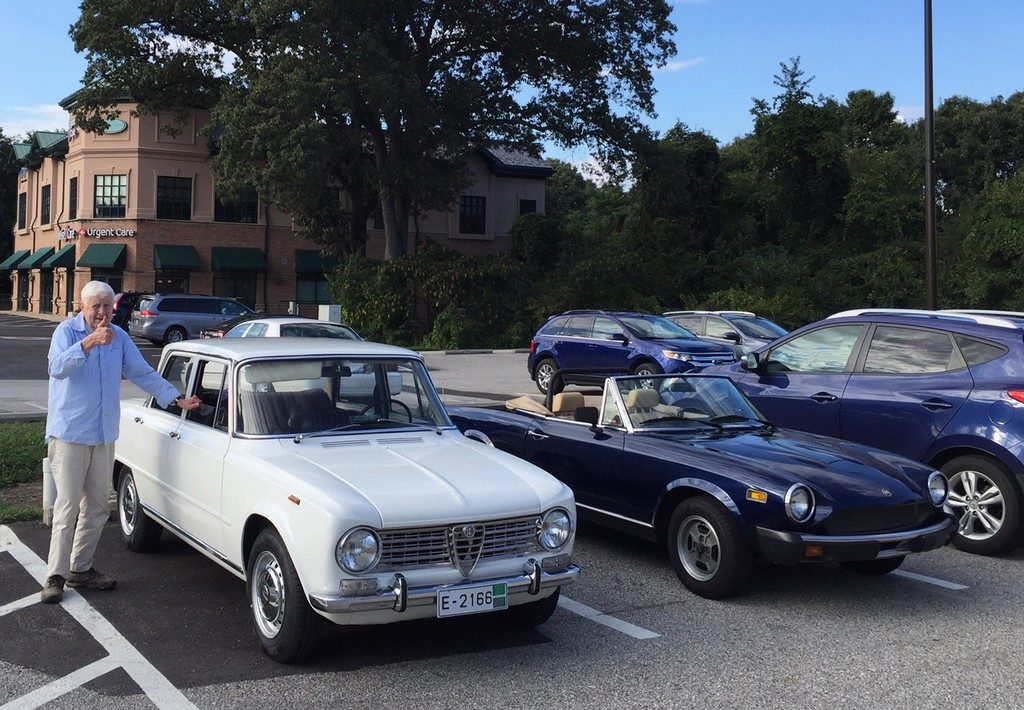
[(641, 403), (566, 402)]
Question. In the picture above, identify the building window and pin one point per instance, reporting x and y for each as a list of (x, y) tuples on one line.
[(73, 198), (44, 205), (472, 214), (312, 288), (22, 209), (241, 209), (240, 285), (527, 206), (110, 276), (173, 197), (110, 196), (172, 281)]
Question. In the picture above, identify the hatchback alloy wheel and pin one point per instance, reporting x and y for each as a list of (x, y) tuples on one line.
[(978, 504)]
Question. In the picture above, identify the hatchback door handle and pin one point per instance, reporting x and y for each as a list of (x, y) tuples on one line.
[(935, 404), (174, 435), (534, 434), (823, 397)]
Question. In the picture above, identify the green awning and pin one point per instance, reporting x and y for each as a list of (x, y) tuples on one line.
[(36, 260), (103, 256), (237, 259), (63, 259), (9, 262), (308, 261), (171, 256)]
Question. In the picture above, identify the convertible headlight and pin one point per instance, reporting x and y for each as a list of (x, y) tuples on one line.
[(554, 529), (675, 355), (938, 488), (799, 503), (358, 550)]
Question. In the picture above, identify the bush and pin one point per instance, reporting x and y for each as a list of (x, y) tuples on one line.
[(22, 449)]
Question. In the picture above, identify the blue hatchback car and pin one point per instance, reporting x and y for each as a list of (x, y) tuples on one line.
[(622, 341), (946, 389)]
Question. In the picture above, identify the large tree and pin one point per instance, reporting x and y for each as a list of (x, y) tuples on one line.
[(390, 96), (8, 194)]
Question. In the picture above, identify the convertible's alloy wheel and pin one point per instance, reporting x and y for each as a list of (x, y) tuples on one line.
[(699, 548), (268, 594), (129, 506), (977, 502)]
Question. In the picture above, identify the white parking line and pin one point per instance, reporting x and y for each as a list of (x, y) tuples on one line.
[(57, 688), (19, 604), (161, 691), (611, 622), (929, 580)]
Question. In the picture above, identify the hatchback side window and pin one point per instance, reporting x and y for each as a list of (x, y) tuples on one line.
[(554, 326), (177, 372), (910, 351), (211, 388), (821, 350), (606, 328), (978, 352), (718, 327), (579, 327)]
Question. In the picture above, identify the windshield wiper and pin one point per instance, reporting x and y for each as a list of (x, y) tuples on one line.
[(357, 425), (738, 418)]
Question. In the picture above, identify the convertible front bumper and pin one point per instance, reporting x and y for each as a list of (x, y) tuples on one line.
[(400, 597), (786, 547)]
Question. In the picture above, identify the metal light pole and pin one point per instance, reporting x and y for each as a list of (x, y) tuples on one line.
[(930, 252)]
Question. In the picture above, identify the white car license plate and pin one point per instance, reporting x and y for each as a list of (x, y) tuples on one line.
[(472, 600)]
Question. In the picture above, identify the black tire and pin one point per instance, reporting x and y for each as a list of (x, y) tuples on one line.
[(284, 622), (542, 375), (724, 568), (532, 614), (175, 334), (139, 532), (874, 567), (646, 369), (972, 536)]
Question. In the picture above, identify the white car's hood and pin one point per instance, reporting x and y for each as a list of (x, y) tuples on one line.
[(424, 480)]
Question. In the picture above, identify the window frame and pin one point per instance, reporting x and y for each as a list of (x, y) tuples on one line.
[(473, 214), (866, 350), (73, 198), (22, 210), (174, 197), (235, 210), (115, 194), (851, 361), (45, 196)]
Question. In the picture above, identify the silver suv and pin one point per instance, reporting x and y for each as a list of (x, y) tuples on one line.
[(741, 331), (173, 317)]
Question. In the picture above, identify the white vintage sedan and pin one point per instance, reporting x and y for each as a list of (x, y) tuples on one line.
[(327, 475)]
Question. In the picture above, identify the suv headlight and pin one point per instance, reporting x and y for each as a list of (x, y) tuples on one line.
[(676, 355), (938, 488), (799, 503), (358, 550), (554, 529)]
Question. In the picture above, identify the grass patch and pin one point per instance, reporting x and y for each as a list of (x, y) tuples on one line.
[(22, 450), (16, 513)]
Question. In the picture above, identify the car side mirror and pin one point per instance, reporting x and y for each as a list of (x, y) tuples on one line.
[(732, 335), (621, 337), (587, 415), (752, 362)]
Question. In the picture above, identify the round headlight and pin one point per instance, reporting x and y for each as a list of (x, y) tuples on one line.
[(799, 503), (938, 488), (554, 529), (358, 550)]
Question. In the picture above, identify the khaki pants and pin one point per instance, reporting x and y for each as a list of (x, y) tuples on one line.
[(82, 474)]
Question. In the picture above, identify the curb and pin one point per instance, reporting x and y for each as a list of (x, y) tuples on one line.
[(22, 418), (473, 351)]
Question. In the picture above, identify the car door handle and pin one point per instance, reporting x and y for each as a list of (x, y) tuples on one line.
[(823, 397), (935, 404), (174, 435), (138, 420), (538, 436)]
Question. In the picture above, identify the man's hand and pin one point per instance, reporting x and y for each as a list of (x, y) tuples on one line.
[(189, 403), (102, 335)]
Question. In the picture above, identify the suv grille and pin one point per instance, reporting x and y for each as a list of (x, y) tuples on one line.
[(889, 518), (709, 360), (427, 547)]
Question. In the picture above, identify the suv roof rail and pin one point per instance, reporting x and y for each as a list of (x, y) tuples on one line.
[(717, 313), (946, 315), (984, 312)]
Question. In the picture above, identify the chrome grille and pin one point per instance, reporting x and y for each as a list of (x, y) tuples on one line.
[(709, 360), (427, 547)]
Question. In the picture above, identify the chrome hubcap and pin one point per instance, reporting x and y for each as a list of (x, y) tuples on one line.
[(699, 548), (174, 336), (544, 373), (128, 507), (267, 592), (977, 502)]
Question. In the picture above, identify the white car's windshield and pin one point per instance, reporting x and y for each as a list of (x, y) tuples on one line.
[(336, 394)]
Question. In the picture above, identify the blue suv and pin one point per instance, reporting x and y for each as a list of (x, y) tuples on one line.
[(944, 388), (623, 341)]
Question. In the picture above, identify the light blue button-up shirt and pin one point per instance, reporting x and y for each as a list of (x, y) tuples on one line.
[(85, 390)]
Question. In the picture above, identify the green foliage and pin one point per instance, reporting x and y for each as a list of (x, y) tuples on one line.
[(22, 448), (8, 194), (17, 513)]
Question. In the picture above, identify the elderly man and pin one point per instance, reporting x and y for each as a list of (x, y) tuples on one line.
[(87, 359)]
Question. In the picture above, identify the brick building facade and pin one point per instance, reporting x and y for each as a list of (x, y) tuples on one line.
[(138, 208)]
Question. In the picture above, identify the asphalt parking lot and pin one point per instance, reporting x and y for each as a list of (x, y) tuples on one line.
[(943, 631)]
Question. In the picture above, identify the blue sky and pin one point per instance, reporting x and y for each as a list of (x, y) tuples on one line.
[(729, 51)]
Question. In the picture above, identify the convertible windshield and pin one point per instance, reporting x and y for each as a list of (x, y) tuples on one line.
[(673, 401), (656, 328), (336, 394)]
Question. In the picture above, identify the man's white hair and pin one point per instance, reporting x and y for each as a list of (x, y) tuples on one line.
[(96, 289)]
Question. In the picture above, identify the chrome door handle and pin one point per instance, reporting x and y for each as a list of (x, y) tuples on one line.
[(174, 435), (536, 435), (823, 397), (935, 404), (138, 420)]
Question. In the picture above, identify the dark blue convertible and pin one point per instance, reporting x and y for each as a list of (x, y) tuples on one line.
[(689, 462)]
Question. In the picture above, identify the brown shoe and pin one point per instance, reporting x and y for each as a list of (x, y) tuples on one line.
[(91, 579), (53, 592)]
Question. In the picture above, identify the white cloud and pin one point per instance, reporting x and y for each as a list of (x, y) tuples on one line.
[(19, 121), (680, 65), (909, 114)]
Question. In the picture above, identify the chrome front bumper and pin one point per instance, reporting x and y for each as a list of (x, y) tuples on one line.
[(400, 596)]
